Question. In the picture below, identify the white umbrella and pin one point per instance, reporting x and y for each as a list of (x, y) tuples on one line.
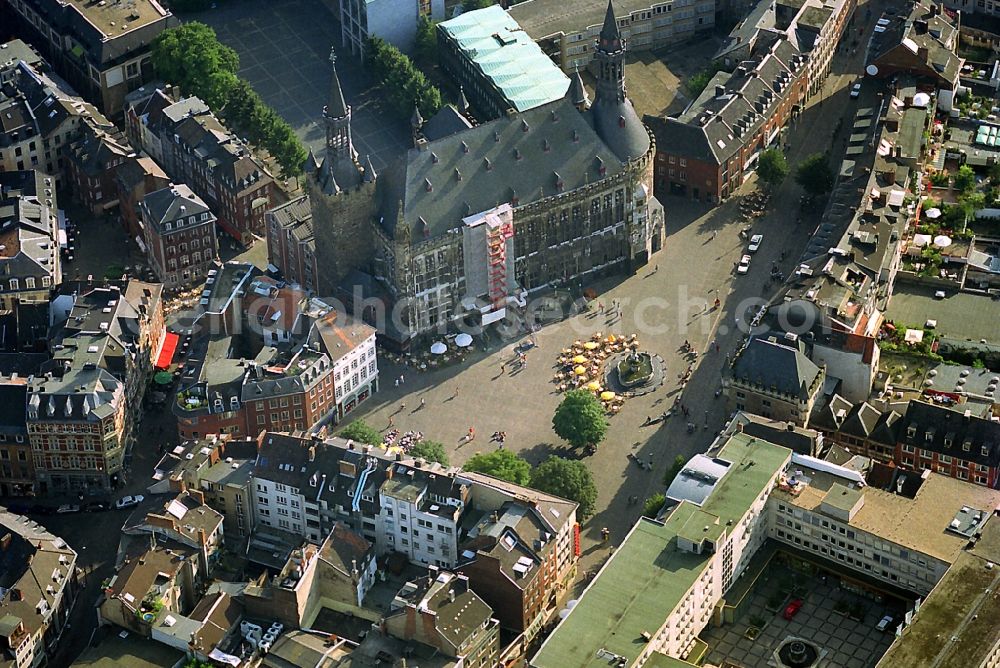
[(942, 241), (921, 99), (463, 340), (439, 348), (921, 240), (933, 213)]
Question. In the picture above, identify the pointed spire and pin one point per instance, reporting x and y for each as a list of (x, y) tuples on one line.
[(463, 102), (610, 39), (416, 120), (577, 91), (369, 176), (336, 107), (312, 163)]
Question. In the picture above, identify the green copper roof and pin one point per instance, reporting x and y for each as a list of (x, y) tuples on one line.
[(505, 54), (650, 573)]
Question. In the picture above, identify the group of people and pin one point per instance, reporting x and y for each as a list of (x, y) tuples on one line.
[(499, 437), (405, 441)]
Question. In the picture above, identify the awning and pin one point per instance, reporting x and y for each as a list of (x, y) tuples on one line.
[(167, 350)]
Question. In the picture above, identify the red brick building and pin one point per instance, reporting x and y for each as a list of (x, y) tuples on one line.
[(92, 163), (179, 234), (136, 178), (708, 151), (290, 242)]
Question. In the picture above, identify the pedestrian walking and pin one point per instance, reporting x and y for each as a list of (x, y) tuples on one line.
[(717, 347), (503, 367), (605, 534), (390, 421), (423, 402), (401, 379), (402, 407), (397, 382), (651, 462), (455, 395), (471, 436), (600, 307)]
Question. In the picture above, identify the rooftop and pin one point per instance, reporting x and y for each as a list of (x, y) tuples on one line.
[(507, 56), (133, 651), (922, 523), (649, 573), (956, 625), (542, 18), (116, 18)]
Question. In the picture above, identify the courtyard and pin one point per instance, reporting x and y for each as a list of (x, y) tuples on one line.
[(833, 619)]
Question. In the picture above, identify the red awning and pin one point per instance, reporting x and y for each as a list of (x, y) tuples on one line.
[(167, 350)]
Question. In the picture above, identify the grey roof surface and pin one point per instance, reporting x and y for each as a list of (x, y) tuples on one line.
[(908, 32), (697, 479), (424, 183), (776, 364), (943, 423), (446, 122), (165, 206), (542, 18)]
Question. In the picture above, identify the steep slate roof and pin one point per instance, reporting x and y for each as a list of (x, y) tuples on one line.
[(714, 127), (424, 183), (505, 55), (164, 206), (295, 215), (447, 121), (27, 226), (920, 29), (944, 423), (776, 364)]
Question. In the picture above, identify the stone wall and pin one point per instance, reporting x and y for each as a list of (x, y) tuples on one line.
[(342, 230)]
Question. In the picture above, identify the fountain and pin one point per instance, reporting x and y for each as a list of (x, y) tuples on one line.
[(798, 653), (636, 369)]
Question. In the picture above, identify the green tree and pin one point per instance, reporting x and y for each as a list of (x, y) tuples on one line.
[(362, 432), (502, 464), (699, 82), (473, 5), (432, 451), (772, 168), (674, 469), (814, 175), (965, 179), (994, 173), (404, 85), (653, 504), (569, 479), (579, 419), (192, 57), (425, 46)]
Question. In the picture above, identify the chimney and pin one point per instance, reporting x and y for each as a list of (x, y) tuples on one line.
[(720, 92), (312, 453)]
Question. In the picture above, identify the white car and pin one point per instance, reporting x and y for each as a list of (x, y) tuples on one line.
[(755, 242), (744, 265), (884, 623), (128, 501), (856, 90), (883, 21)]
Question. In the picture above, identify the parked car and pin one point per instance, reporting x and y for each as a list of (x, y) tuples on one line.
[(885, 623), (744, 265), (755, 242), (68, 508), (96, 506), (792, 608), (856, 90), (128, 502)]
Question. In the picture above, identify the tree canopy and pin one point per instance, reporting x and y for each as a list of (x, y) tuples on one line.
[(651, 508), (432, 451), (674, 469), (772, 168), (579, 419), (569, 479), (362, 432), (502, 464), (699, 82), (814, 175), (191, 56), (425, 45), (405, 86), (965, 179)]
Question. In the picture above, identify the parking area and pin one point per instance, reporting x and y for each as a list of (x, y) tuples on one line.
[(284, 50), (836, 621), (960, 315)]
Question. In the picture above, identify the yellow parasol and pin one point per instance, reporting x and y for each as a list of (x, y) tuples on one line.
[(607, 395), (593, 386), (591, 345), (611, 338), (579, 359), (580, 371)]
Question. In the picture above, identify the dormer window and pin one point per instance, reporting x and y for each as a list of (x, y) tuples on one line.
[(911, 432), (929, 435)]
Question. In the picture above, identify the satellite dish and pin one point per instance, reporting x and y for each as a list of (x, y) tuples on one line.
[(871, 70)]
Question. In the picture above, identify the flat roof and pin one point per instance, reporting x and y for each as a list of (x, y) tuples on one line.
[(506, 55), (920, 523), (113, 18), (133, 651), (956, 625), (542, 18), (649, 574)]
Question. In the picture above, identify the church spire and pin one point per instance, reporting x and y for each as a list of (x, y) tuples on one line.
[(337, 118), (336, 107), (577, 91), (610, 39), (610, 58)]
